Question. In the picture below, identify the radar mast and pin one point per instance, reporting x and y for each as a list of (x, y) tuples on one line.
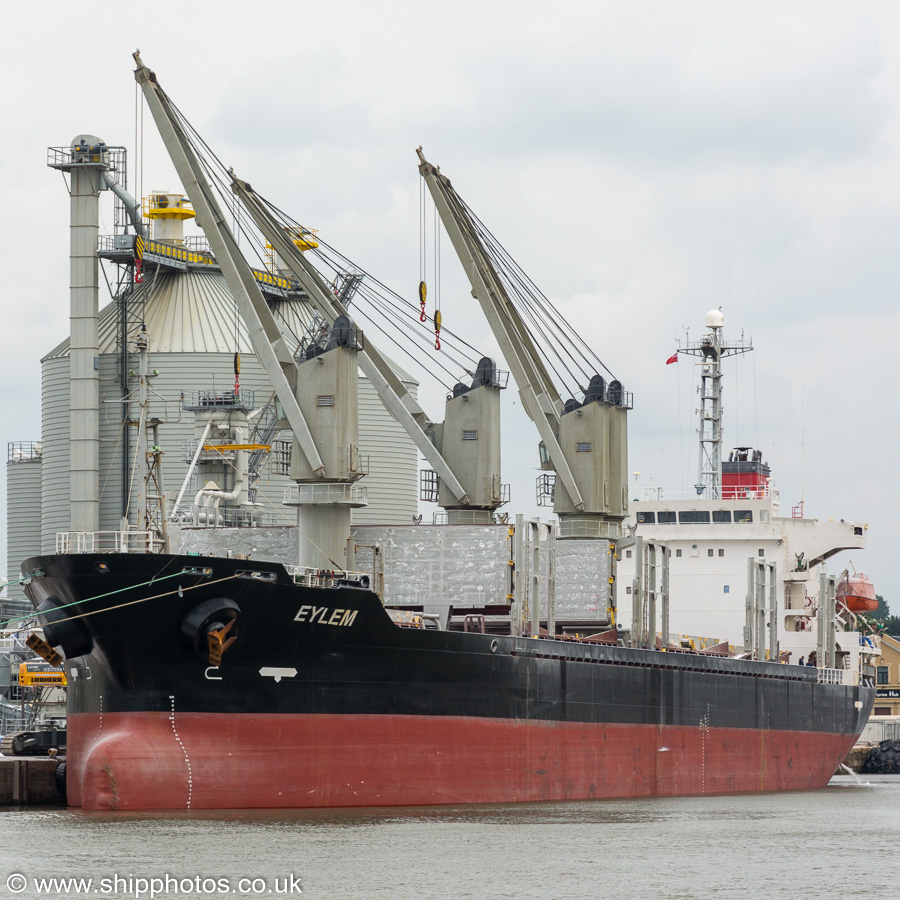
[(711, 350)]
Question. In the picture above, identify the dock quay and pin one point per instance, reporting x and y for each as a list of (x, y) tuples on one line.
[(857, 757), (29, 781)]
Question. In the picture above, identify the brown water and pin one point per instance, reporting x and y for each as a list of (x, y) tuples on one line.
[(833, 843)]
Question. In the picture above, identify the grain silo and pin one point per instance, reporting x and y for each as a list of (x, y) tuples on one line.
[(194, 331), (173, 293)]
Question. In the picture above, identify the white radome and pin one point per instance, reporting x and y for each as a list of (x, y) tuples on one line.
[(715, 319)]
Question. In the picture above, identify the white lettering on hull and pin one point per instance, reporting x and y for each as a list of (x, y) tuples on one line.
[(323, 615)]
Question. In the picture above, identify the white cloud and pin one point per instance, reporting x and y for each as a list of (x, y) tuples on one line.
[(644, 162)]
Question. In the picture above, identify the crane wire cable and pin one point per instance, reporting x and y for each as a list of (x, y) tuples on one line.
[(391, 308), (215, 169), (563, 346), (549, 329), (339, 263), (516, 285), (532, 288), (507, 275), (419, 335)]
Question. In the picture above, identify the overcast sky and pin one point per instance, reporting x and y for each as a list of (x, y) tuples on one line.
[(644, 163)]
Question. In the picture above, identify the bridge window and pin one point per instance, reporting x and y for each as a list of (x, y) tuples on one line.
[(721, 515), (691, 516), (646, 518), (743, 515), (666, 518)]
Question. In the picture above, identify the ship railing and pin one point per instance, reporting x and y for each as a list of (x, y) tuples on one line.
[(109, 542), (870, 644), (837, 676), (309, 576), (328, 493), (689, 492)]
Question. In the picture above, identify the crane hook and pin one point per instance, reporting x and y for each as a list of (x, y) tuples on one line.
[(422, 293)]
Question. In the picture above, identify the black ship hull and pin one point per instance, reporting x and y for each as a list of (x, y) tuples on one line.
[(322, 700)]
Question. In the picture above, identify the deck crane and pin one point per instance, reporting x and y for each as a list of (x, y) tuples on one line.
[(265, 336), (326, 473), (327, 491), (465, 448), (585, 442)]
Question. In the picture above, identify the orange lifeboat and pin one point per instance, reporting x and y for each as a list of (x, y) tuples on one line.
[(857, 593)]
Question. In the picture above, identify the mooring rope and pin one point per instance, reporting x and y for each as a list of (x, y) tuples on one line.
[(180, 590)]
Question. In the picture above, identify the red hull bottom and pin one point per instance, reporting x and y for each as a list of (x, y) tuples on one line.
[(208, 761)]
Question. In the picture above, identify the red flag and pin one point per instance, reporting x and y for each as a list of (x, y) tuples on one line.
[(672, 358)]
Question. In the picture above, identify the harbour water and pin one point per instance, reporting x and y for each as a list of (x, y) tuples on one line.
[(832, 843)]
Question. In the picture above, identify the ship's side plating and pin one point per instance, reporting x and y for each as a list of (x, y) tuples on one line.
[(324, 701)]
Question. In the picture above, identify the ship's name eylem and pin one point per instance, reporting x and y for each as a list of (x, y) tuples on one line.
[(320, 615)]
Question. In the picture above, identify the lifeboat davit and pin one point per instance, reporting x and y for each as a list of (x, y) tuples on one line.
[(857, 593)]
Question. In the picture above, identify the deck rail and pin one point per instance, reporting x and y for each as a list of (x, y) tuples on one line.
[(838, 676), (108, 542)]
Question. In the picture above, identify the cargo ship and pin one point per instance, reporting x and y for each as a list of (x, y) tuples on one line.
[(479, 659), (323, 699)]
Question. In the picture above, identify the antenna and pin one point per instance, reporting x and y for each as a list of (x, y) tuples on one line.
[(711, 349)]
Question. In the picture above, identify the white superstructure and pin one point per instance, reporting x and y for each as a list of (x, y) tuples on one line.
[(715, 538)]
